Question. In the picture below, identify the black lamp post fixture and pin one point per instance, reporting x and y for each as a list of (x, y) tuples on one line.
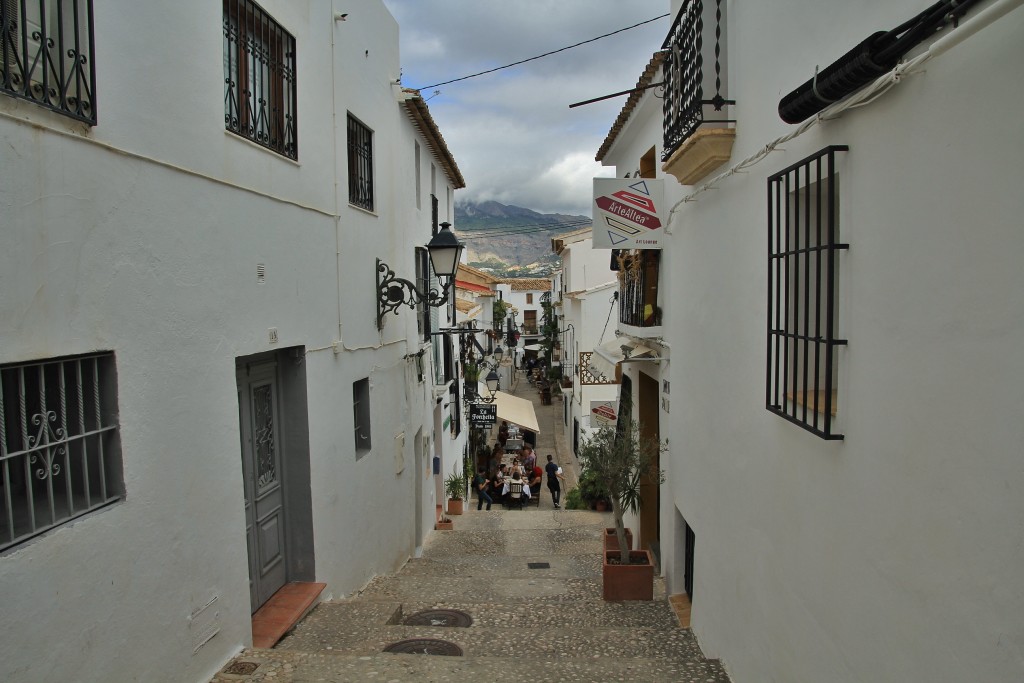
[(492, 380), (445, 251)]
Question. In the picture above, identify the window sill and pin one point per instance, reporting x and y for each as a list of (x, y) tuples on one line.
[(700, 154), (815, 400), (369, 212)]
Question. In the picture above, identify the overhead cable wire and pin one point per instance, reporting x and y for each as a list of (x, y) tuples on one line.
[(546, 54)]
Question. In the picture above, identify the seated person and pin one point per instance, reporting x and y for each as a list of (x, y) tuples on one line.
[(517, 479), (536, 476), (529, 459), (516, 468)]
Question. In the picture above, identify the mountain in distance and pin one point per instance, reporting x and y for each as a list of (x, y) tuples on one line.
[(511, 241)]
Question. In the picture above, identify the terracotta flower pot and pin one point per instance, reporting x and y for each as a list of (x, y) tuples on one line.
[(600, 505), (628, 581), (444, 526), (611, 540), (454, 506)]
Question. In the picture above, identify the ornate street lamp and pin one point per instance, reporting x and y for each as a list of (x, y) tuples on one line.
[(445, 250)]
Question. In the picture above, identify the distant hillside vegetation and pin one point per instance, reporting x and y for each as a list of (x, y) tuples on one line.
[(510, 240)]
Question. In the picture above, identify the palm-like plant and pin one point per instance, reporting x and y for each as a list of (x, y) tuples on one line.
[(619, 458)]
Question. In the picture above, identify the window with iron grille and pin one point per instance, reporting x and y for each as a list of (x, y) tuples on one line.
[(60, 450), (684, 107), (803, 287), (259, 78), (360, 164), (423, 284), (361, 416), (46, 55)]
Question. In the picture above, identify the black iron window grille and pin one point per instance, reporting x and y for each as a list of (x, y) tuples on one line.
[(638, 287), (803, 283), (259, 78), (360, 164), (423, 284), (684, 105), (46, 55), (60, 451)]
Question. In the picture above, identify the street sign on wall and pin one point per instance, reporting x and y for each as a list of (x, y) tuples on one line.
[(628, 213), (483, 414)]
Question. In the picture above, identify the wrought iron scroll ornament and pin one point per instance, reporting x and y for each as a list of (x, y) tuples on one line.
[(49, 441), (393, 292)]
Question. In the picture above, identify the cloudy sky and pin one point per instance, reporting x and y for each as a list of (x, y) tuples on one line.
[(512, 133)]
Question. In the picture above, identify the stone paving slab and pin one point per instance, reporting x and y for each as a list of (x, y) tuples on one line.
[(283, 666), (521, 542)]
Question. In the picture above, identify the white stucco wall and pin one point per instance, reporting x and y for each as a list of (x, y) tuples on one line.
[(889, 556), (142, 236)]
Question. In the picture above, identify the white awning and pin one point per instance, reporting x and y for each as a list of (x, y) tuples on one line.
[(532, 347), (607, 356), (514, 409)]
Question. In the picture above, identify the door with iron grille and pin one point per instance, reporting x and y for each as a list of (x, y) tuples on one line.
[(259, 416)]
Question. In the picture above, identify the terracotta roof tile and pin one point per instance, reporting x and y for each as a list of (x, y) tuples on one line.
[(646, 78), (527, 284)]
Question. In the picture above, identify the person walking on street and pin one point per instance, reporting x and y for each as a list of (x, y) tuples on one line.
[(554, 481), (480, 482)]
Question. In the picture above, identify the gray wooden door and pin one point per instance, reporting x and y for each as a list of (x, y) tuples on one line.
[(259, 415)]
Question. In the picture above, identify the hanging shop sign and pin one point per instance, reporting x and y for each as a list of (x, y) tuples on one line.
[(602, 413), (483, 415), (628, 213)]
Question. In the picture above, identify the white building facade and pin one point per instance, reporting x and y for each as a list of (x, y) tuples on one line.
[(197, 402), (843, 494), (588, 290)]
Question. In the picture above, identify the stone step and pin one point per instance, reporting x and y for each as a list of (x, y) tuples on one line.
[(448, 589), (553, 643), (516, 542), (593, 614), (284, 666), (498, 567)]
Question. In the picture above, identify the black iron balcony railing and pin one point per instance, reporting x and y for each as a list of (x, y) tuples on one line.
[(529, 328), (46, 55), (638, 288), (684, 105)]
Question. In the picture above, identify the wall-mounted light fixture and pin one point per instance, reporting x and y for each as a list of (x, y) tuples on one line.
[(445, 251), (493, 380)]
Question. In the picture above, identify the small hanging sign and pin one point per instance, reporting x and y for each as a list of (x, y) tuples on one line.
[(628, 213)]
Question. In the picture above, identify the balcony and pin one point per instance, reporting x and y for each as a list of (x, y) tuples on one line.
[(698, 137), (639, 307)]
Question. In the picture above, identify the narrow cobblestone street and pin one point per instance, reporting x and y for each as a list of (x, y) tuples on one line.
[(530, 581)]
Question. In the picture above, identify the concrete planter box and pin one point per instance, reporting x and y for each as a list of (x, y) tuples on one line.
[(611, 541), (441, 525), (628, 581)]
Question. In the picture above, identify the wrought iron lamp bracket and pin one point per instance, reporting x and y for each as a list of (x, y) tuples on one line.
[(394, 292)]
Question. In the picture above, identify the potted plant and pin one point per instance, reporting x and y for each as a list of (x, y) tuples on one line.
[(455, 487), (619, 460), (444, 524), (591, 492)]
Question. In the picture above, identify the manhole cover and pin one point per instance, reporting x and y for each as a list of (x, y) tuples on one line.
[(425, 646), (439, 617), (538, 565), (241, 668)]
